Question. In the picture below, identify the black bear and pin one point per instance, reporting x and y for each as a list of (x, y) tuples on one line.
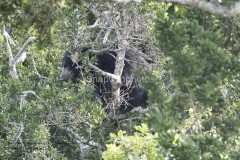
[(132, 94)]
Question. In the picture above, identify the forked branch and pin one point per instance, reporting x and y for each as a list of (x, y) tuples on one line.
[(19, 57)]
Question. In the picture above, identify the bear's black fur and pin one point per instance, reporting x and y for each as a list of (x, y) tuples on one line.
[(133, 95)]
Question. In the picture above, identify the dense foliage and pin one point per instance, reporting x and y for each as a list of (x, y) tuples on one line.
[(193, 96), (200, 120)]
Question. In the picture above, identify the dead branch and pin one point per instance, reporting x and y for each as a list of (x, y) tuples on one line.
[(82, 141), (19, 130), (196, 116), (122, 35), (214, 8), (113, 76), (19, 57), (25, 94), (94, 25), (30, 40), (35, 68), (8, 48)]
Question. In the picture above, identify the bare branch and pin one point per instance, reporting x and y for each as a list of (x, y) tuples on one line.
[(94, 25), (81, 141), (35, 68), (20, 56), (19, 130), (8, 48), (25, 94), (105, 39), (126, 1), (93, 11), (214, 8), (106, 50), (21, 51), (194, 107), (211, 7), (113, 76)]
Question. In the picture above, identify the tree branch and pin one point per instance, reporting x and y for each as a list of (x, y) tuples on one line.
[(25, 94), (78, 137), (20, 56), (21, 50), (216, 9), (105, 50), (119, 64), (94, 25), (35, 68), (81, 141), (8, 48), (113, 76)]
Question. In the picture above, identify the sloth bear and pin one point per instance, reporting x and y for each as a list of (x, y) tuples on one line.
[(132, 95)]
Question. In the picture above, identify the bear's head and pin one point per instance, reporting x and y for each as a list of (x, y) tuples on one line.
[(70, 69)]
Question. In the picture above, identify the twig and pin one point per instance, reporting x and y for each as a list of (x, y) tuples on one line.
[(19, 130), (25, 94), (81, 140), (198, 123), (35, 68)]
